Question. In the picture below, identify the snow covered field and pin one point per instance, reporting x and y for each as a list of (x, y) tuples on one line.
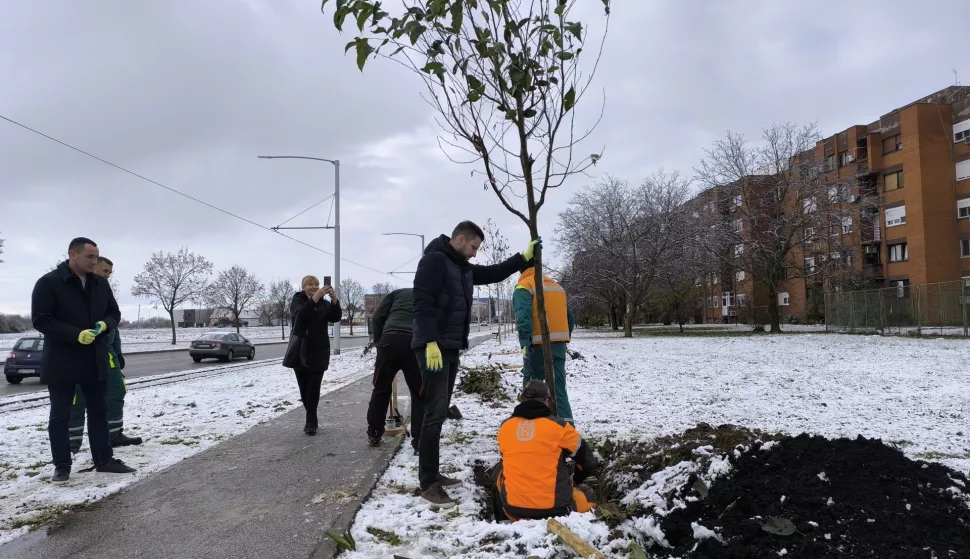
[(186, 418), (135, 340), (913, 392)]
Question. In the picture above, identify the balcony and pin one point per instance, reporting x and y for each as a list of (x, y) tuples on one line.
[(862, 168), (872, 271), (870, 232)]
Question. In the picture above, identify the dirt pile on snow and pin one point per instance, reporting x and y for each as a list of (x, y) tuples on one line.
[(803, 497)]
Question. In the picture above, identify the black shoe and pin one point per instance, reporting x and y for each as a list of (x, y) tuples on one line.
[(436, 495), (374, 440), (310, 430), (124, 440), (115, 466), (61, 474), (454, 413)]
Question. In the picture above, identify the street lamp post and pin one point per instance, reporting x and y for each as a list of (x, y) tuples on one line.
[(410, 235), (336, 228)]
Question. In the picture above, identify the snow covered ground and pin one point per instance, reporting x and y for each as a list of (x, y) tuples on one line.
[(186, 418), (914, 392), (135, 340)]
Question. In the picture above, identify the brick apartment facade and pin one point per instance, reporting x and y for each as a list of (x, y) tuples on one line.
[(916, 161)]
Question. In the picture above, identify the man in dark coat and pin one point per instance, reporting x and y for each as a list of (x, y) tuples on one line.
[(392, 336), (443, 294), (72, 306)]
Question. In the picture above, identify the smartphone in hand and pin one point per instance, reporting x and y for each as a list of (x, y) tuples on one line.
[(327, 280)]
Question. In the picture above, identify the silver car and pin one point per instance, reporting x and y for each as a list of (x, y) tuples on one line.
[(224, 346)]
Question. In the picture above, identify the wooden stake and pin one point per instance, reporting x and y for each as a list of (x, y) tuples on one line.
[(394, 431), (578, 544)]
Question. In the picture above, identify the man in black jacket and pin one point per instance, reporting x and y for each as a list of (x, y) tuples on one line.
[(443, 294), (72, 306), (392, 336)]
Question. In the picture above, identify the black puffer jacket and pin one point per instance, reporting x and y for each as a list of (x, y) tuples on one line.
[(444, 291), (60, 309), (312, 321)]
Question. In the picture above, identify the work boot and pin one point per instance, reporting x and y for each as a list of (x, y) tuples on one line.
[(115, 466), (446, 481), (124, 440), (374, 438), (61, 474), (436, 495), (454, 413)]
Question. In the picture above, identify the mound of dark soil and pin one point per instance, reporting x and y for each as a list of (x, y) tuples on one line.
[(844, 498)]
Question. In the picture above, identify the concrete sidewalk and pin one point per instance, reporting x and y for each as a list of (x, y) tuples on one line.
[(270, 492)]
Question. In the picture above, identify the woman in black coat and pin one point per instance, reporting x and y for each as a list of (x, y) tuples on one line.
[(310, 317)]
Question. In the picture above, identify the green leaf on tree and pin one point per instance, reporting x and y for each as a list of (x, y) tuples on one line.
[(529, 113), (436, 68), (363, 51), (416, 32), (457, 14), (778, 526), (576, 28), (569, 99), (510, 115), (564, 55), (560, 8), (594, 158)]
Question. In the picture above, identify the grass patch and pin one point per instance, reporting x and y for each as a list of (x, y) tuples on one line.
[(172, 442), (385, 536), (13, 428), (485, 382), (36, 465), (32, 473), (157, 415)]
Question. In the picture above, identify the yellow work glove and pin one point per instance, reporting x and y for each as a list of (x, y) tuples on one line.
[(525, 352), (86, 336), (100, 327), (530, 250), (432, 357)]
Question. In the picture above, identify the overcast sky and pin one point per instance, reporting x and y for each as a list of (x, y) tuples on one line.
[(189, 93)]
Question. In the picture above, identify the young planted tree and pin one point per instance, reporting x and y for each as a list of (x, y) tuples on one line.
[(235, 290), (352, 296), (278, 302), (625, 235), (777, 213), (504, 79), (173, 279)]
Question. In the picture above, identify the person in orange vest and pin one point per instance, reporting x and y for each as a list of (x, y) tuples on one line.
[(533, 479), (561, 323)]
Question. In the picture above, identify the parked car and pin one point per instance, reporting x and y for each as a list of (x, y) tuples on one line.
[(224, 346), (24, 359)]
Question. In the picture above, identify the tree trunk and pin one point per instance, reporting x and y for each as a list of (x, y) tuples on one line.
[(544, 324), (773, 318), (628, 322), (171, 318), (238, 323), (351, 321), (614, 319), (282, 329)]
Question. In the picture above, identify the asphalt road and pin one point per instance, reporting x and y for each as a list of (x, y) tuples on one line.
[(147, 364)]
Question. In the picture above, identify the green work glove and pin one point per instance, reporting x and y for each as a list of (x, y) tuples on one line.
[(530, 250), (86, 336), (100, 327), (432, 357)]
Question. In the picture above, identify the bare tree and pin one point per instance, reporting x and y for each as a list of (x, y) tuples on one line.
[(352, 296), (278, 302), (625, 235), (235, 290), (382, 288), (504, 78), (497, 250), (775, 212), (172, 279), (1, 249)]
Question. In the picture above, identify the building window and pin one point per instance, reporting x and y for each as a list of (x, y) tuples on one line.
[(895, 216), (830, 163), (892, 143), (783, 300), (845, 158), (742, 299), (902, 288), (727, 299), (809, 206), (894, 180), (963, 170), (849, 257), (810, 265), (737, 225), (809, 233), (964, 248), (899, 252), (961, 131), (738, 249), (963, 208), (736, 201), (846, 225), (739, 276)]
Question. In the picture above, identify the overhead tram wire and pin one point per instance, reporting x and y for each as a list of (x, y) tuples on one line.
[(306, 210), (180, 193)]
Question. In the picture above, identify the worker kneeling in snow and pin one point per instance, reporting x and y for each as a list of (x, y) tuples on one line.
[(533, 479)]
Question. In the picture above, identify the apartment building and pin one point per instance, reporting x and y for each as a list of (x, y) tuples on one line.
[(910, 172)]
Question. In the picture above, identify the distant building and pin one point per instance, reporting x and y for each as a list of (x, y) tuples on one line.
[(192, 318)]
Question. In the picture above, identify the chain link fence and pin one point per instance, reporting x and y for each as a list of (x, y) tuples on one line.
[(926, 309)]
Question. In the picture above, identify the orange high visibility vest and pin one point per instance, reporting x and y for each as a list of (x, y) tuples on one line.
[(556, 313)]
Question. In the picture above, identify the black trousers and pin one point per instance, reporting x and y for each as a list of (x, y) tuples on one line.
[(96, 403), (309, 383), (394, 354), (438, 387)]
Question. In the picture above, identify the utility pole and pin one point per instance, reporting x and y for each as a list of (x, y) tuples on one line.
[(410, 235), (335, 227)]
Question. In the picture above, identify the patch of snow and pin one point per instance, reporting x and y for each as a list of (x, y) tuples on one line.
[(176, 420), (702, 533), (823, 477)]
